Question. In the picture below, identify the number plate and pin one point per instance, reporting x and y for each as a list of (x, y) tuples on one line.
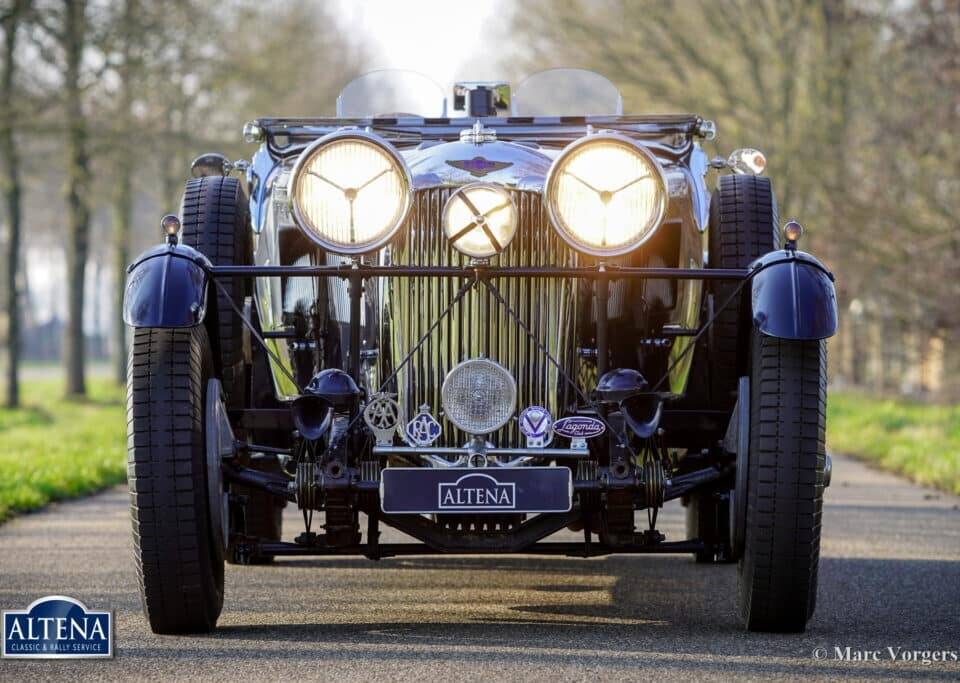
[(456, 490)]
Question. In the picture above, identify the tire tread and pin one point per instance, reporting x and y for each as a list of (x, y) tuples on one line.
[(175, 561), (778, 573), (215, 221), (743, 227)]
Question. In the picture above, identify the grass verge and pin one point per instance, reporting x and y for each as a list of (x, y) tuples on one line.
[(53, 448), (917, 440)]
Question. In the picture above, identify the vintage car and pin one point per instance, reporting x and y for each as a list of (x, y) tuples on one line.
[(482, 327)]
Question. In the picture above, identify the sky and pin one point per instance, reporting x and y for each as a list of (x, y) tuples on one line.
[(439, 38)]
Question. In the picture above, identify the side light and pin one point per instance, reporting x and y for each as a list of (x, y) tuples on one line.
[(170, 226), (792, 232), (747, 161)]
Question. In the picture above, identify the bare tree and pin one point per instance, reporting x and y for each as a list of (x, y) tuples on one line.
[(11, 20), (122, 210), (132, 90), (72, 37)]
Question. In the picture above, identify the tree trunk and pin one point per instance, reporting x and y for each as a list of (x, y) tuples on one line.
[(121, 239), (123, 198), (12, 189), (77, 180)]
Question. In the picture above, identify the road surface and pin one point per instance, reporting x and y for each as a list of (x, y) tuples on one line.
[(889, 577)]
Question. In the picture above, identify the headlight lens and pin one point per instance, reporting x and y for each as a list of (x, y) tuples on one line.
[(606, 195), (479, 396), (480, 220), (350, 192)]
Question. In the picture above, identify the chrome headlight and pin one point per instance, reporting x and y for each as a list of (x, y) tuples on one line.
[(480, 220), (606, 194), (479, 396), (350, 192)]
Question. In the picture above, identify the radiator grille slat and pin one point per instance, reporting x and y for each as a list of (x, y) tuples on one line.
[(478, 326)]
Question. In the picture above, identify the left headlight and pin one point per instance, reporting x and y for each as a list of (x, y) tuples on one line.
[(606, 194), (350, 192)]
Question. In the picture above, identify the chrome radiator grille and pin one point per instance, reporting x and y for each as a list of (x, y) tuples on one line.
[(479, 325)]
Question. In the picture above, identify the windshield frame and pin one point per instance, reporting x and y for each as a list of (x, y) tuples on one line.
[(407, 92), (573, 72), (384, 74)]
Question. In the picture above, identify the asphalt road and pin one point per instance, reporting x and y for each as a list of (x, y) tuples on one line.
[(889, 577)]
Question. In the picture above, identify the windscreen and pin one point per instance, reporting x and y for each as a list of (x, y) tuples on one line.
[(567, 92), (391, 92)]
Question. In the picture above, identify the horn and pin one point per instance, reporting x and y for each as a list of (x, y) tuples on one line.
[(312, 416)]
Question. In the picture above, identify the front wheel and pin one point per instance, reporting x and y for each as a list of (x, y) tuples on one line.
[(777, 587), (179, 563)]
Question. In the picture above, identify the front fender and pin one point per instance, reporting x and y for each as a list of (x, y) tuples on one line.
[(166, 287), (793, 296)]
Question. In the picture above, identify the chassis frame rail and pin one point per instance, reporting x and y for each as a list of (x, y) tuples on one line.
[(563, 548)]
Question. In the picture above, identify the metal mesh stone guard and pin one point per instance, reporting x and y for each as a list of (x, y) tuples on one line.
[(479, 396)]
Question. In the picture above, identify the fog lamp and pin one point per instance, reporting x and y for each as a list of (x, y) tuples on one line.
[(479, 396), (480, 220)]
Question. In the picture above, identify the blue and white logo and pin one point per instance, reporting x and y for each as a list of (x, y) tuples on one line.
[(579, 427), (423, 429), (57, 627), (535, 424)]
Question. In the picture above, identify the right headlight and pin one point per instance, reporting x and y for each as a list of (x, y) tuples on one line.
[(606, 194), (350, 192)]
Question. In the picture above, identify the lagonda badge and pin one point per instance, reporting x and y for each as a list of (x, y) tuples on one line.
[(579, 427)]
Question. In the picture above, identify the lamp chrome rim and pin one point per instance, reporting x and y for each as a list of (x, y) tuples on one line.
[(499, 189), (512, 393), (560, 226), (370, 138)]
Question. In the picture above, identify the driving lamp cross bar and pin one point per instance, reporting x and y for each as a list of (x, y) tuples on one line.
[(612, 272)]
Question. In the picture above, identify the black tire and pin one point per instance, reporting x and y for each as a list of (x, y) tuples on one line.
[(777, 587), (215, 218), (743, 227), (215, 221), (179, 565), (708, 518)]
